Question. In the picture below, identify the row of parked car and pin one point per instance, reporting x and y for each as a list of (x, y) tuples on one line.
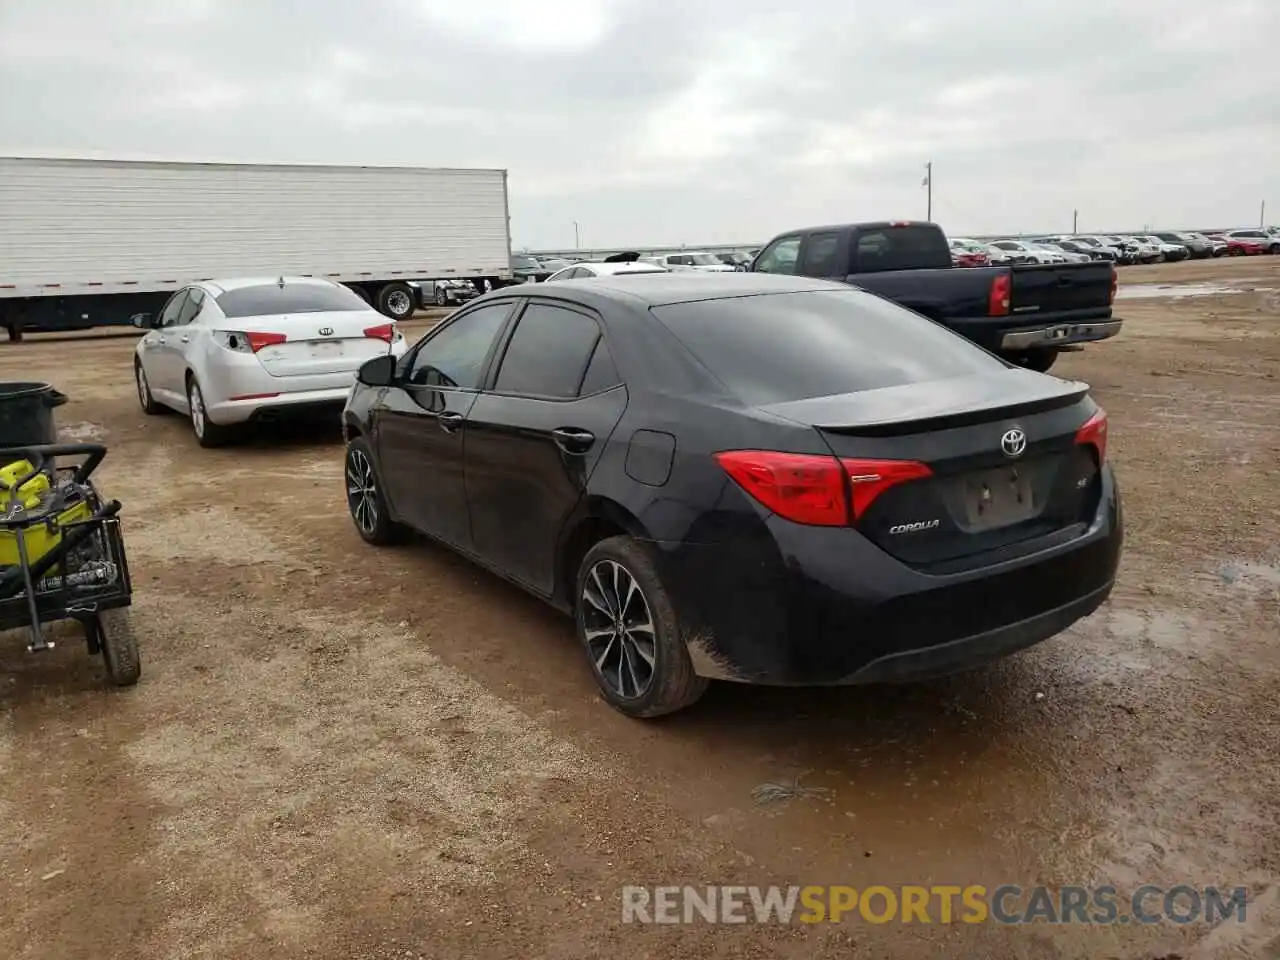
[(1168, 246)]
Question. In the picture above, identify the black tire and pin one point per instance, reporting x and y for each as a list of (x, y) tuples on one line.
[(442, 298), (365, 500), (1038, 360), (119, 645), (362, 293), (148, 402), (207, 433), (1274, 249), (671, 683), (397, 301), (14, 327)]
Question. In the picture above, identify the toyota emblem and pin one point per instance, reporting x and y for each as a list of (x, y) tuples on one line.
[(326, 331), (1013, 443)]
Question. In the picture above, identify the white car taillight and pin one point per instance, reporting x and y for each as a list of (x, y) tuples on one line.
[(246, 341)]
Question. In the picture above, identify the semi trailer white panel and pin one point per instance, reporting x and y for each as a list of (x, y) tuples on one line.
[(73, 227)]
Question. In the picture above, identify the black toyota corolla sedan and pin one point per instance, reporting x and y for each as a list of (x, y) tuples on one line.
[(750, 477)]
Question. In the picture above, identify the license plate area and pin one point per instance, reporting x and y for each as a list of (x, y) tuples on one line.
[(326, 349), (998, 498)]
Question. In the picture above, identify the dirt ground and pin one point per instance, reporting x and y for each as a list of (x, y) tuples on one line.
[(342, 752)]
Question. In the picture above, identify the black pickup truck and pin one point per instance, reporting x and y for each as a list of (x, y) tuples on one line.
[(1026, 313)]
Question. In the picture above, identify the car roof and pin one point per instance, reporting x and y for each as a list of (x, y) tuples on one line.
[(604, 268), (656, 290)]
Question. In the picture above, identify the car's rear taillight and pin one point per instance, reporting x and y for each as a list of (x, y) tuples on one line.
[(816, 490), (998, 298), (383, 331), (799, 487), (1115, 283), (1094, 431), (247, 341), (870, 478)]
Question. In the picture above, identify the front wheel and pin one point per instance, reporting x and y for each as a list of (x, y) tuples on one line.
[(629, 629), (442, 298), (365, 500), (148, 402)]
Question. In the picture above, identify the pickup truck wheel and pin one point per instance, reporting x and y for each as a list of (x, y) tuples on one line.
[(1037, 360)]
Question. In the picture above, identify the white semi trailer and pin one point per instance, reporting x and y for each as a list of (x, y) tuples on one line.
[(86, 243)]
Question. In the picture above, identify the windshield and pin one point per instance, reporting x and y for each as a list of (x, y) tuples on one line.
[(776, 347), (269, 299), (525, 263), (706, 260)]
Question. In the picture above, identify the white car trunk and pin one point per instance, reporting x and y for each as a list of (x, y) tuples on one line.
[(318, 343)]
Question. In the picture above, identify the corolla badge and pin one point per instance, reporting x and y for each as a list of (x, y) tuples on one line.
[(1013, 443)]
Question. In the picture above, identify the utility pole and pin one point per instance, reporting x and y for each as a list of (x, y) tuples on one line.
[(928, 182), (1075, 222), (1262, 214), (577, 241)]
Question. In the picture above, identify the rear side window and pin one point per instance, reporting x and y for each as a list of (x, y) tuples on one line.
[(272, 298), (820, 255), (601, 373), (779, 347), (548, 353), (908, 247)]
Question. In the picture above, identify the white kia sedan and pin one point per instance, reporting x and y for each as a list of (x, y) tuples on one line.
[(228, 352)]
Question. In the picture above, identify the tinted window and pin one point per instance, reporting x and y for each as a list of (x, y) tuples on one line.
[(195, 298), (779, 257), (601, 373), (169, 315), (548, 352), (900, 248), (820, 255), (455, 356), (778, 347), (524, 263), (271, 298)]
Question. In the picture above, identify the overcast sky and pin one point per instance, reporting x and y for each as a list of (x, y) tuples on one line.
[(655, 122)]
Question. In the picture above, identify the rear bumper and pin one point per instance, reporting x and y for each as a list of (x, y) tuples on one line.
[(299, 402), (1059, 334), (811, 606)]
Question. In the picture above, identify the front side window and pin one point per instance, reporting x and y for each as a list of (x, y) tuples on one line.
[(192, 305), (455, 356), (169, 315), (781, 256)]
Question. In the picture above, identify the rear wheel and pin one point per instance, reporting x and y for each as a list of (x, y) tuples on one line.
[(629, 629), (119, 645), (396, 300), (208, 433), (365, 500)]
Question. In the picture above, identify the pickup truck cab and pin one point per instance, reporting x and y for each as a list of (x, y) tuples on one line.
[(1025, 313)]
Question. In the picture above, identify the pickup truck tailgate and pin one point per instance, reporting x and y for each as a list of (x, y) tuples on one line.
[(1062, 288)]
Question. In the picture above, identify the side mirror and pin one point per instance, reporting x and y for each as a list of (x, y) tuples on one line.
[(378, 372), (142, 321)]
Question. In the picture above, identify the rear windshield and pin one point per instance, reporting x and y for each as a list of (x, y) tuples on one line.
[(790, 346), (900, 248), (271, 298)]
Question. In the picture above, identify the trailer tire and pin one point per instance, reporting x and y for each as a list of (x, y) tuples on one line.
[(360, 292), (396, 300), (119, 643), (14, 328)]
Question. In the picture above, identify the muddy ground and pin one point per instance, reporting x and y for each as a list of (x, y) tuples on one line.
[(342, 752)]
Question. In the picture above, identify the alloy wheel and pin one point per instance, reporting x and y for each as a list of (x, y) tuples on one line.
[(197, 409), (618, 628), (362, 492)]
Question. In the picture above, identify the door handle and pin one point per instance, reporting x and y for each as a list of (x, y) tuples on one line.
[(161, 340), (449, 422), (186, 339), (573, 439)]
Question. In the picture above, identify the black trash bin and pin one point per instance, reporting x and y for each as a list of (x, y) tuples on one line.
[(26, 413)]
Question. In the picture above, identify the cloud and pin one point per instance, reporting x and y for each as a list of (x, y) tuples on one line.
[(652, 122)]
